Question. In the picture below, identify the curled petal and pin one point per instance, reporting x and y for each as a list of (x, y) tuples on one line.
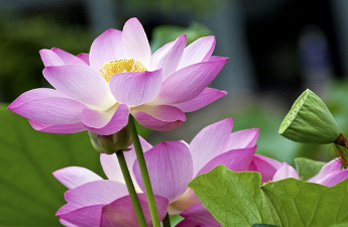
[(198, 51), (105, 123), (49, 58), (75, 176), (84, 57), (95, 192), (167, 57), (68, 58), (57, 128), (187, 83), (80, 83), (160, 118), (170, 169), (207, 96), (135, 42), (121, 211), (265, 166), (327, 169), (285, 171), (209, 142), (242, 139), (106, 47), (136, 88), (53, 110)]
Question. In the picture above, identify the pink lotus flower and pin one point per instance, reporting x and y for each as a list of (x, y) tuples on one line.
[(93, 201), (173, 164), (329, 175), (119, 77)]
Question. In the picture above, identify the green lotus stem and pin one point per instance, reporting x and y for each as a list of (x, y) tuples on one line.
[(131, 189), (144, 172), (166, 221)]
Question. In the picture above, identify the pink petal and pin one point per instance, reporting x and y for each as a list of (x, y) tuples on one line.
[(187, 83), (198, 51), (236, 160), (75, 176), (241, 139), (209, 142), (95, 193), (106, 47), (187, 200), (66, 223), (68, 58), (167, 57), (199, 215), (135, 43), (265, 166), (160, 118), (136, 88), (334, 178), (52, 110), (285, 171), (37, 93), (50, 58), (121, 212), (57, 128), (105, 123), (327, 169), (207, 96), (86, 216), (81, 83), (170, 169), (84, 57)]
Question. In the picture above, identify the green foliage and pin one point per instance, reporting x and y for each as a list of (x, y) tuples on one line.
[(164, 34), (307, 168), (29, 194), (236, 199)]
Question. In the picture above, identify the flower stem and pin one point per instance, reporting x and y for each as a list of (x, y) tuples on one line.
[(144, 173), (131, 190), (166, 221)]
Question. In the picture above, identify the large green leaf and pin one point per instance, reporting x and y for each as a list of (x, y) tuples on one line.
[(307, 168), (236, 199), (29, 194)]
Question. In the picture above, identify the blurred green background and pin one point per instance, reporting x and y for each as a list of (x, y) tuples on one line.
[(276, 49)]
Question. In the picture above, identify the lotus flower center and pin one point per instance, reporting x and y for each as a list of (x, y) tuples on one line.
[(120, 66)]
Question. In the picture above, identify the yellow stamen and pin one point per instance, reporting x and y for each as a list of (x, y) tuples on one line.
[(119, 66)]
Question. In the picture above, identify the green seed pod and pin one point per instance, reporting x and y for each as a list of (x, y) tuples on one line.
[(309, 121), (111, 143)]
